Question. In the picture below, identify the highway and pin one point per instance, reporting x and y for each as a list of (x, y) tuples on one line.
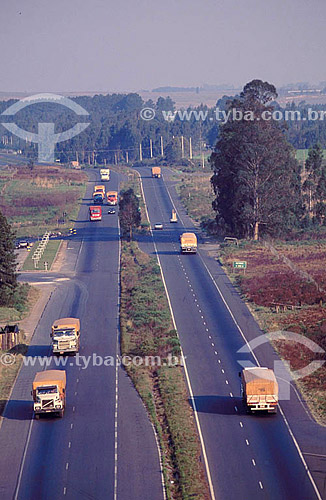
[(248, 456), (104, 447)]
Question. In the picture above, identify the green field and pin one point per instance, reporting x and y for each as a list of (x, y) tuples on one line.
[(48, 256)]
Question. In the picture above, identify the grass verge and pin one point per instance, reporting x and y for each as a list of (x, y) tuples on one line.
[(8, 372), (146, 330), (48, 256)]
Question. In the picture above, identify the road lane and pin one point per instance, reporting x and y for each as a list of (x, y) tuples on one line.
[(269, 466)]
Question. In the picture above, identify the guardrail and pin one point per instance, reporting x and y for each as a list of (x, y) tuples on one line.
[(40, 249)]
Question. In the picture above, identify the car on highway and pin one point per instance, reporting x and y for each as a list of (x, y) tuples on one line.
[(23, 244), (111, 211), (158, 225)]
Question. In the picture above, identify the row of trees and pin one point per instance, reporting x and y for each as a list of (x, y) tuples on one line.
[(8, 276), (256, 179)]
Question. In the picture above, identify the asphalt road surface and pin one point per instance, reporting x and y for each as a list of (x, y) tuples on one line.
[(104, 447), (249, 456)]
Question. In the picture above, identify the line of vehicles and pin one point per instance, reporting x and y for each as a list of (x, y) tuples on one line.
[(259, 387), (100, 195)]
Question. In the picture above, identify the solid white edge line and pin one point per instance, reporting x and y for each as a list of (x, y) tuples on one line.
[(115, 488), (23, 459), (210, 484), (255, 358)]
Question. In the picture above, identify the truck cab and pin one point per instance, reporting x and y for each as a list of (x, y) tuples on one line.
[(95, 213), (49, 392), (112, 197), (188, 243), (156, 172), (65, 336)]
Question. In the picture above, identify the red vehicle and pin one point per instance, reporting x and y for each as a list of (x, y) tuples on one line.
[(95, 213)]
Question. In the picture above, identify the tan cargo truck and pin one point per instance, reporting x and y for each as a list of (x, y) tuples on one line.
[(259, 389), (156, 172), (49, 392), (188, 243), (65, 336)]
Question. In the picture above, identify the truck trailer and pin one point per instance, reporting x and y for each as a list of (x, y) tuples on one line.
[(105, 174), (188, 243), (65, 336), (49, 392), (259, 389), (156, 172)]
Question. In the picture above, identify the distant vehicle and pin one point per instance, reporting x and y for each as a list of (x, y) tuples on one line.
[(100, 188), (111, 211), (174, 216), (95, 213), (159, 225), (65, 335), (112, 197), (259, 389), (105, 174), (188, 243), (98, 198), (156, 172), (23, 244), (49, 392)]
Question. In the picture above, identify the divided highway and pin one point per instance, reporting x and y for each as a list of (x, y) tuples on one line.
[(256, 457), (104, 446)]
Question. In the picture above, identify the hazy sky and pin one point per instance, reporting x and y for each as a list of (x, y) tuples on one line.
[(105, 45)]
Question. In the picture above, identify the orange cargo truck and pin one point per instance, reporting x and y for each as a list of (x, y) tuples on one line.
[(259, 389), (112, 197), (49, 392), (156, 172)]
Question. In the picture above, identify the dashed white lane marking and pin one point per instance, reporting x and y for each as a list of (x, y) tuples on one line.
[(77, 380), (69, 444), (227, 382), (67, 466), (236, 408), (75, 393), (247, 442), (73, 408), (261, 485), (213, 345), (253, 462), (207, 330), (64, 490), (231, 394), (71, 426), (241, 424), (222, 370), (219, 361), (215, 353)]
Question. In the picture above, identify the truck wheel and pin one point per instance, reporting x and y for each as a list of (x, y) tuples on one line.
[(60, 414)]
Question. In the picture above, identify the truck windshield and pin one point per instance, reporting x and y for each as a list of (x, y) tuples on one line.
[(47, 390), (64, 333)]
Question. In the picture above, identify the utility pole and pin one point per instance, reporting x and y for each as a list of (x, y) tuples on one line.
[(127, 157), (115, 158), (190, 148), (151, 147), (140, 153), (105, 162), (162, 151), (182, 148)]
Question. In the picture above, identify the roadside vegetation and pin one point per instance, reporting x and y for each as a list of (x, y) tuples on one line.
[(147, 330), (25, 299), (38, 199), (48, 256), (286, 290)]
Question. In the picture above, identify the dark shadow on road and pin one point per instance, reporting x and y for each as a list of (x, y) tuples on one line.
[(221, 405), (19, 410)]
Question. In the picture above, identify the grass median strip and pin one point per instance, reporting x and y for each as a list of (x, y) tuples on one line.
[(48, 256), (146, 330)]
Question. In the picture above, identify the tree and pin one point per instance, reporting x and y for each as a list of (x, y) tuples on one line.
[(8, 276), (129, 212), (315, 184), (256, 177)]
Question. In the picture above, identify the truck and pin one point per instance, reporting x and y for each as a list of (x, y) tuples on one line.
[(95, 213), (105, 174), (188, 243), (174, 216), (156, 172), (99, 189), (49, 392), (259, 389), (65, 335), (98, 198), (112, 197)]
